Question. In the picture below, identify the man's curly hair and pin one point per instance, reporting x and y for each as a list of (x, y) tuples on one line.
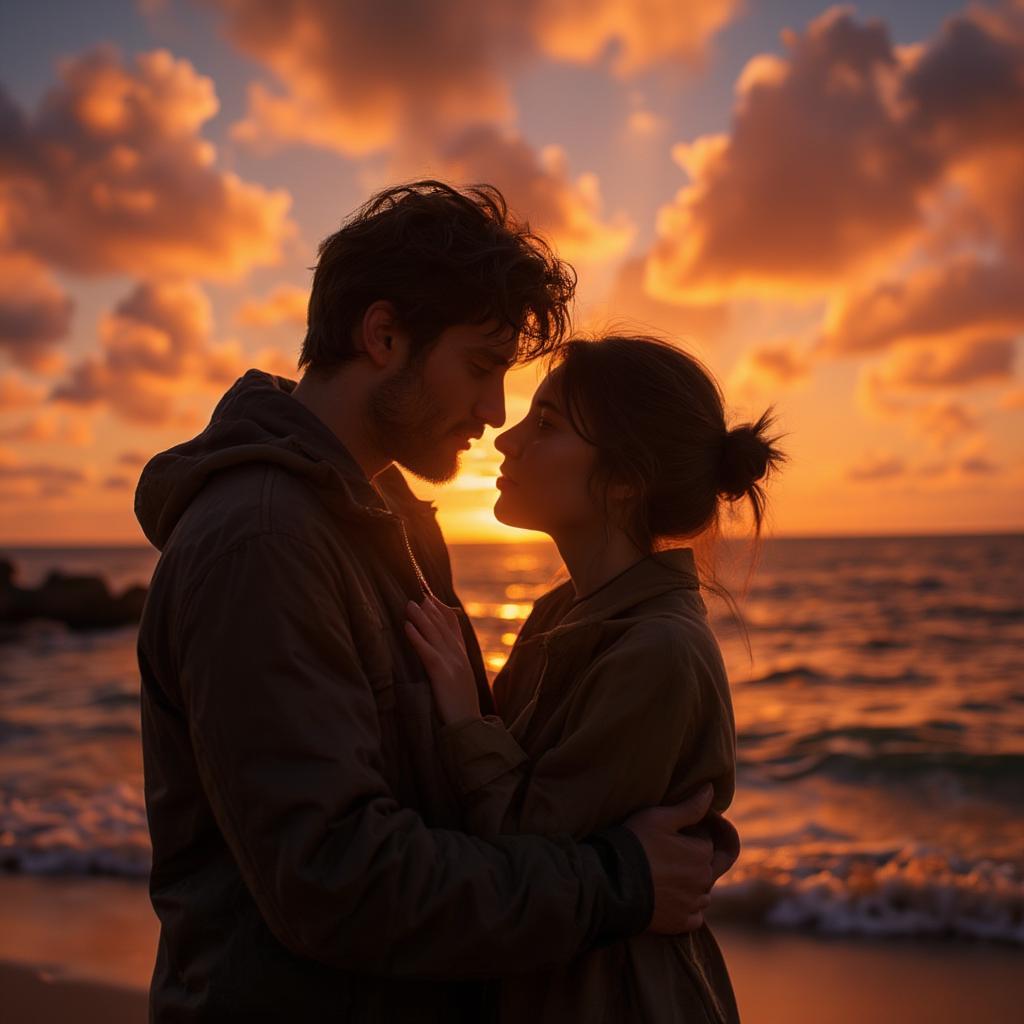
[(442, 256)]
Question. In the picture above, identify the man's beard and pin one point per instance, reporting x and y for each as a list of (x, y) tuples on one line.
[(408, 426)]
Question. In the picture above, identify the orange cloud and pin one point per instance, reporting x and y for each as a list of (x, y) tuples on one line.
[(157, 352), (631, 304), (1013, 399), (17, 393), (537, 186), (940, 420), (111, 174), (876, 466), (815, 177), (951, 364), (881, 467), (967, 297), (639, 33), (38, 479), (286, 304), (944, 421), (117, 482), (843, 157), (133, 459), (974, 461), (48, 427), (764, 369)]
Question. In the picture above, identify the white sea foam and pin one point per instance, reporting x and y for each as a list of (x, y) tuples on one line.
[(102, 832), (916, 890)]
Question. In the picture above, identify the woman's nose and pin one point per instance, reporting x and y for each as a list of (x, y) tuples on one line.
[(505, 442)]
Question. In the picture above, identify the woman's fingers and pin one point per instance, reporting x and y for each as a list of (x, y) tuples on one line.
[(425, 623), (443, 614), (427, 652), (445, 619)]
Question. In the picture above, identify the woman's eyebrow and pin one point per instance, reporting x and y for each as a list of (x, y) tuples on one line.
[(548, 405)]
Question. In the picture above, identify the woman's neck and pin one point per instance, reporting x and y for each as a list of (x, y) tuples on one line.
[(596, 555)]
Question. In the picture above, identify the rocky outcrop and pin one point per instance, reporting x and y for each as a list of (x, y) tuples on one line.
[(81, 602)]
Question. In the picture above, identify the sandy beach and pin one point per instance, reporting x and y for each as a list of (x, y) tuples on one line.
[(82, 950)]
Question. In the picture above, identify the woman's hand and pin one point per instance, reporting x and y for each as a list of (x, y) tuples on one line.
[(434, 631)]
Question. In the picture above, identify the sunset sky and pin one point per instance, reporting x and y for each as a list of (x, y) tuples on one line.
[(826, 204)]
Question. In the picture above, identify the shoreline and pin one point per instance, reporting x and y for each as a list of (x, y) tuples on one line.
[(82, 949)]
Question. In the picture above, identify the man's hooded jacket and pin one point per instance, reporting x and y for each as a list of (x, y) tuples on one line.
[(309, 861)]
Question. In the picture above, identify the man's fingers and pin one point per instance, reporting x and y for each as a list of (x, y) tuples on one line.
[(692, 809)]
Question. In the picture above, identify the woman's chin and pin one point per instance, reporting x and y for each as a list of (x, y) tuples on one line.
[(510, 516)]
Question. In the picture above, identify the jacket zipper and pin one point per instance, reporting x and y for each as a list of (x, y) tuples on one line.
[(421, 579)]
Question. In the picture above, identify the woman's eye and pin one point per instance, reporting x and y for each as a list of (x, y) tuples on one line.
[(542, 422)]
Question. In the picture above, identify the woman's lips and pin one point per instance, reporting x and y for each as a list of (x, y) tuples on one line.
[(503, 481)]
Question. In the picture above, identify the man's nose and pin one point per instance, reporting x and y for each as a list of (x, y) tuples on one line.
[(491, 406)]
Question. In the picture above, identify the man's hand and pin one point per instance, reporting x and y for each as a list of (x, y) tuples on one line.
[(684, 867)]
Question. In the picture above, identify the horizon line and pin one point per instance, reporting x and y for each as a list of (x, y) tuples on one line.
[(1013, 532)]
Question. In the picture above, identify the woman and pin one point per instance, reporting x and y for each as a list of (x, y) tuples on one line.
[(614, 696)]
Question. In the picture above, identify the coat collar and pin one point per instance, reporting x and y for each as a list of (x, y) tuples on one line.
[(581, 627), (658, 573)]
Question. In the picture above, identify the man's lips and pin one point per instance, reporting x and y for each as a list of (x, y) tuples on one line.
[(467, 438)]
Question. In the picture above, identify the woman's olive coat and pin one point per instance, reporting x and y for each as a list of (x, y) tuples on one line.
[(607, 705)]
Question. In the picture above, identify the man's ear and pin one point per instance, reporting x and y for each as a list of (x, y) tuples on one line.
[(381, 337)]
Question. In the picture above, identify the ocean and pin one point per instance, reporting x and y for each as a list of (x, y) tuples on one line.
[(880, 722)]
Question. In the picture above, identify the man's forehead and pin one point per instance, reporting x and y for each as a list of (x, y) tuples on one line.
[(488, 339)]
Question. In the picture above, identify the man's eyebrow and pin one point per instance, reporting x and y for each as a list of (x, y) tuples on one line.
[(491, 356)]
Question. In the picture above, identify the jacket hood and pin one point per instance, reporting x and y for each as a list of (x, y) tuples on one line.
[(258, 420)]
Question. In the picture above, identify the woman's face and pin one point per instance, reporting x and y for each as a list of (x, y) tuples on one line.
[(544, 477)]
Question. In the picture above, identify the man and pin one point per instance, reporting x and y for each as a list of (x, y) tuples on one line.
[(308, 862)]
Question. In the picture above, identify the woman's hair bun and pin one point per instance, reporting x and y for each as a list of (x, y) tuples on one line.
[(743, 461)]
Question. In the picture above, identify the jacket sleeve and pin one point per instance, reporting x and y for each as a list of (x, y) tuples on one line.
[(638, 708), (285, 732)]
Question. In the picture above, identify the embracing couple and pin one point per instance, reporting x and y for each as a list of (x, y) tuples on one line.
[(347, 823)]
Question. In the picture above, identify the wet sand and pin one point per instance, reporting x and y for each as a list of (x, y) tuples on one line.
[(82, 950)]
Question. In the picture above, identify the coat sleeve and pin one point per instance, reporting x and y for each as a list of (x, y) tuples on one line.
[(285, 733), (636, 710)]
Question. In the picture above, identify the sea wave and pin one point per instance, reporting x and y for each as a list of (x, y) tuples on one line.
[(811, 675), (814, 880), (883, 754), (916, 890)]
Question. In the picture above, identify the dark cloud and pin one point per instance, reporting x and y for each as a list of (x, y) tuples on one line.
[(35, 312), (358, 78)]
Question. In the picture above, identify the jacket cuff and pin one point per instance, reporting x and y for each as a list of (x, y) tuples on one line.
[(479, 750), (630, 908)]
